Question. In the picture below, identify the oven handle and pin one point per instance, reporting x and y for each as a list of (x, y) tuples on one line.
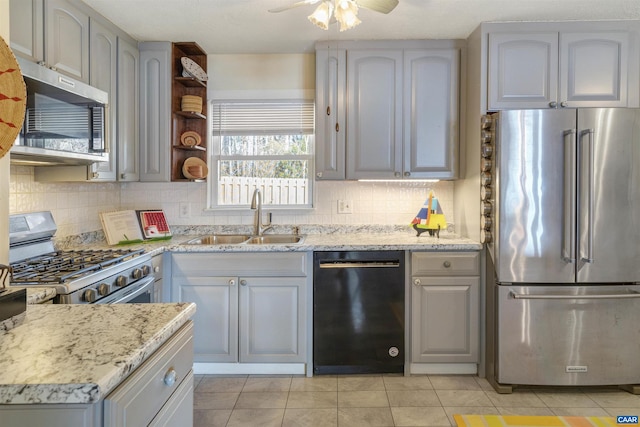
[(130, 292)]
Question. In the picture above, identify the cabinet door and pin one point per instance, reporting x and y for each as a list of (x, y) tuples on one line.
[(523, 70), (331, 74), (216, 320), (594, 69), (272, 319), (67, 39), (27, 28), (155, 108), (374, 114), (431, 81), (445, 319), (103, 72), (128, 85)]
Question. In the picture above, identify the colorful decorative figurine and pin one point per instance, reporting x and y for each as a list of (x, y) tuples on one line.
[(430, 218)]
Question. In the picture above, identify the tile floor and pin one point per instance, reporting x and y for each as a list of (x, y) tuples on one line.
[(384, 400)]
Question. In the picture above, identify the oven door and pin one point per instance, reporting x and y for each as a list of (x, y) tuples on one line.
[(136, 293)]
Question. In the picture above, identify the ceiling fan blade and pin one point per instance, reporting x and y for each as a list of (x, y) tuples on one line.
[(382, 6), (294, 5)]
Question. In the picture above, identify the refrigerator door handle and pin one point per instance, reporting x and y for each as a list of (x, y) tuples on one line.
[(515, 295), (587, 225), (569, 199)]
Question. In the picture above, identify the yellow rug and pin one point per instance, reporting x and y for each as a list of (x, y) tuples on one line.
[(532, 421)]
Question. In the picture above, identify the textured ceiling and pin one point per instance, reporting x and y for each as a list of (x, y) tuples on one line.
[(245, 26)]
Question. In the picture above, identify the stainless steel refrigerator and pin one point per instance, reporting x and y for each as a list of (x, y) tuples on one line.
[(561, 195)]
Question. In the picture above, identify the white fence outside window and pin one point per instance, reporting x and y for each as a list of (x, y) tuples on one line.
[(275, 191)]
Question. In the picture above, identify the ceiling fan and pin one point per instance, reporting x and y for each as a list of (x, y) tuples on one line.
[(343, 11)]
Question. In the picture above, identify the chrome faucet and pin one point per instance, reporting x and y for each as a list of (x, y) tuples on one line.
[(258, 226)]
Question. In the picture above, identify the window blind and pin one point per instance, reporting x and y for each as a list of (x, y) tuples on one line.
[(273, 118)]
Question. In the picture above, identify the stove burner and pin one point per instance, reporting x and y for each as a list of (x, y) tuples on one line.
[(63, 266)]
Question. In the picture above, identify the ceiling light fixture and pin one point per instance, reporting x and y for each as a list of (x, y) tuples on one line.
[(344, 11)]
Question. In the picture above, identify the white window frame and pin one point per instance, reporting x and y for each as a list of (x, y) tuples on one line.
[(215, 155)]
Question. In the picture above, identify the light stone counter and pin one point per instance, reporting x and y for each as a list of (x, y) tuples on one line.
[(79, 353), (40, 295)]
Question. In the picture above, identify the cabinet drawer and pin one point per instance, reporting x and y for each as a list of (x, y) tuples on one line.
[(140, 397), (264, 264), (445, 264)]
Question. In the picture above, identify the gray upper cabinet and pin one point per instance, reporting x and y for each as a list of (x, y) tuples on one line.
[(431, 105), (374, 114), (539, 69), (128, 100), (388, 110), (331, 71), (103, 72), (27, 28), (155, 107), (67, 39)]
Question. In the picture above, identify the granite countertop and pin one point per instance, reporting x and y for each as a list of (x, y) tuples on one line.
[(78, 353), (40, 295), (316, 238)]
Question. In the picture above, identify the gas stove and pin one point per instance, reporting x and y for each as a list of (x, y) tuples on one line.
[(79, 276)]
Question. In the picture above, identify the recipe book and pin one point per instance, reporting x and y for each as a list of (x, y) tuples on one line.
[(134, 226)]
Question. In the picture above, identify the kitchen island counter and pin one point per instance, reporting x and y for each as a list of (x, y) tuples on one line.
[(65, 353)]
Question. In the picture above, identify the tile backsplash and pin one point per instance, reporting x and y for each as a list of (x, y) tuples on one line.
[(75, 206)]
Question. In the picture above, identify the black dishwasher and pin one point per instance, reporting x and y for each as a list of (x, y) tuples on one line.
[(358, 312)]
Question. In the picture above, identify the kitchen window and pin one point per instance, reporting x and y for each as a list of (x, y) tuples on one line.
[(266, 145)]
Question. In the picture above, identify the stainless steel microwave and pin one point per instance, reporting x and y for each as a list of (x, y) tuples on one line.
[(65, 120)]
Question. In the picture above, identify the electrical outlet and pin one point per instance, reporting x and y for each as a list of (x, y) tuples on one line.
[(185, 210), (345, 206)]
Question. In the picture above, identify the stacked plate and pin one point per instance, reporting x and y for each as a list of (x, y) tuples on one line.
[(192, 103)]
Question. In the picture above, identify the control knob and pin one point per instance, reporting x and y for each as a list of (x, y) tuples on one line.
[(103, 289), (89, 295), (146, 270), (136, 274), (121, 281)]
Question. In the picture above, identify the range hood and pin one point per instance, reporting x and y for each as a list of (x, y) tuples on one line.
[(64, 120)]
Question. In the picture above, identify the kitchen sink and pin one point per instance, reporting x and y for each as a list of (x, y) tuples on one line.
[(219, 239), (270, 239)]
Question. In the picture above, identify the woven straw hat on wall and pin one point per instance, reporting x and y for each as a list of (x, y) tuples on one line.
[(13, 96)]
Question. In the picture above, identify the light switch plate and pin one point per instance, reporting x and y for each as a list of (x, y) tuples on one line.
[(345, 206)]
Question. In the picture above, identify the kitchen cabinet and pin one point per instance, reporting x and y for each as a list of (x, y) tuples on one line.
[(402, 106), (66, 40), (252, 307), (54, 33), (127, 103), (157, 265), (27, 28), (558, 69), (331, 71), (155, 107), (445, 305), (162, 120)]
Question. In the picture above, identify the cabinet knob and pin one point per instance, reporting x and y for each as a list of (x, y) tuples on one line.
[(319, 174), (94, 175), (243, 282), (328, 110), (397, 174), (564, 104), (446, 264), (170, 377), (337, 127), (553, 104), (156, 269), (416, 282), (123, 176), (407, 174), (232, 282)]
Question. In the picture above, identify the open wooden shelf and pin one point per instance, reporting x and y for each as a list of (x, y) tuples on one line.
[(183, 121)]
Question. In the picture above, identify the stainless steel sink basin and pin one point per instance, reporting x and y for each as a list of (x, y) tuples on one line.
[(273, 239), (219, 239)]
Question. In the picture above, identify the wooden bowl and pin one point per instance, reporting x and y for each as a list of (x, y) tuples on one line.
[(190, 138)]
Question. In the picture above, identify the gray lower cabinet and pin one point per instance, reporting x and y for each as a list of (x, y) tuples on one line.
[(158, 393), (445, 306), (252, 307)]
